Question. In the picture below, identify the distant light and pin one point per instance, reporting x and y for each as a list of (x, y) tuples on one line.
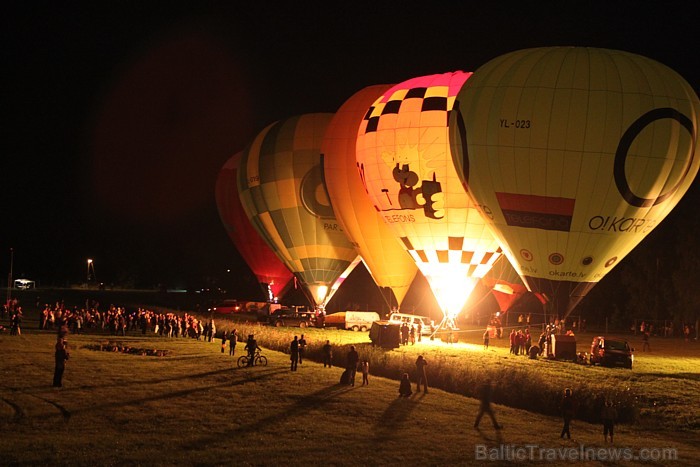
[(89, 261)]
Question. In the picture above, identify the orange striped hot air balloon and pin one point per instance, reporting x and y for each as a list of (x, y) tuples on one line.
[(385, 258)]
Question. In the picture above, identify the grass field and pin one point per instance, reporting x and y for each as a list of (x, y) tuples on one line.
[(194, 406)]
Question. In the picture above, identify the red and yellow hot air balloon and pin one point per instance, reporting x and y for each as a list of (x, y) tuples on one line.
[(282, 189), (405, 162), (574, 155), (386, 260), (272, 274)]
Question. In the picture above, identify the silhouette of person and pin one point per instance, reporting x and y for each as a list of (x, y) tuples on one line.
[(61, 356), (568, 409), (405, 386), (485, 392), (421, 374), (294, 352), (327, 354)]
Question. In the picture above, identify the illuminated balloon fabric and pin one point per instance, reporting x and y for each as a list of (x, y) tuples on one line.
[(283, 192), (404, 159), (505, 284), (256, 253), (381, 252), (575, 155)]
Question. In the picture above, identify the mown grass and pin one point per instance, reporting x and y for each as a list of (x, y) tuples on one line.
[(193, 407), (657, 393)]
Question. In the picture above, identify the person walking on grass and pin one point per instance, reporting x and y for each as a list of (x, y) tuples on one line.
[(568, 410), (609, 415), (485, 392), (487, 337), (223, 341)]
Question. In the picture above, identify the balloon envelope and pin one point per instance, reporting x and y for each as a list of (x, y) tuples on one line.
[(574, 155), (283, 192), (404, 158), (254, 250), (386, 259)]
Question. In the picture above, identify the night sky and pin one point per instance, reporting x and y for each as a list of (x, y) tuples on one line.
[(122, 113)]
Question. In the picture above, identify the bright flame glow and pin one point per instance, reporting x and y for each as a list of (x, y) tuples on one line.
[(450, 284), (321, 293), (504, 288)]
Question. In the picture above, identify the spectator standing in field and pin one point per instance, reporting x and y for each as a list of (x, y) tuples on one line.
[(61, 356), (487, 338), (568, 410), (232, 341), (645, 342), (609, 415), (405, 386), (419, 331), (351, 361), (223, 342), (421, 375), (302, 349), (485, 392), (364, 368), (294, 353), (327, 354)]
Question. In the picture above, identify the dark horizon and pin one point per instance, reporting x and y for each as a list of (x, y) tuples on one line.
[(122, 115)]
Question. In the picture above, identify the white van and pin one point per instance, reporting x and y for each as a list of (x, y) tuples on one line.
[(355, 320), (412, 320)]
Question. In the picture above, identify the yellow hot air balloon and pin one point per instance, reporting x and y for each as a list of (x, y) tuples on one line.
[(386, 260), (404, 159), (574, 155), (282, 190)]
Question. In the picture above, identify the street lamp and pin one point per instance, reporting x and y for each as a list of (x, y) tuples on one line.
[(89, 267)]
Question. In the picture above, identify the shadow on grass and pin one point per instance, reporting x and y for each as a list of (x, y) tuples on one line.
[(395, 416), (66, 414), (301, 407)]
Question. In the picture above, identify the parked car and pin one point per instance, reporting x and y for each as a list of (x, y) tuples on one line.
[(412, 320), (609, 351), (292, 317)]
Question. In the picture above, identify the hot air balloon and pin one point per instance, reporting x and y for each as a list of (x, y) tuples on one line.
[(574, 155), (272, 274), (405, 162), (383, 255), (283, 192)]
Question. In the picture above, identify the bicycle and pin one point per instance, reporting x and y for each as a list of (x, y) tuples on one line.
[(259, 359)]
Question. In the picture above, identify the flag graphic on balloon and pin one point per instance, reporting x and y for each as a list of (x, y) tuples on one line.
[(574, 155)]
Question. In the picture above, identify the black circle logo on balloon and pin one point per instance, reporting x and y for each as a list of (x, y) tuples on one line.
[(626, 141), (312, 185)]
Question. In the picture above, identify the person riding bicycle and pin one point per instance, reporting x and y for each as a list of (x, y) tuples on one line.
[(251, 346)]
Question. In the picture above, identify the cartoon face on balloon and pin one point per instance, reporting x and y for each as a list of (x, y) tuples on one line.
[(404, 159)]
